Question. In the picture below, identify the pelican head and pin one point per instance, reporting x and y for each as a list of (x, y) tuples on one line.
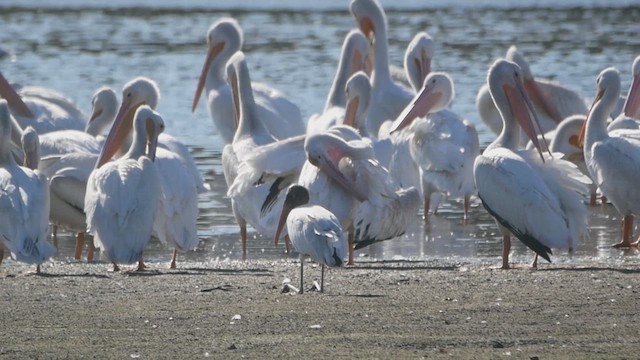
[(369, 15), (355, 47), (137, 92), (632, 104), (14, 100), (224, 38), (417, 59), (296, 196), (607, 90), (510, 97), (147, 125), (437, 92), (532, 87), (31, 148), (358, 90), (567, 136), (325, 151), (104, 105)]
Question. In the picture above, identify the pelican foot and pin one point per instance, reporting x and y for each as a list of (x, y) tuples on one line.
[(623, 244)]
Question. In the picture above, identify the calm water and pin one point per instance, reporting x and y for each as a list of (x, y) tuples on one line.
[(76, 48)]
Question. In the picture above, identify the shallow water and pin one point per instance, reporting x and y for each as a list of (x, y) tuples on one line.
[(76, 48)]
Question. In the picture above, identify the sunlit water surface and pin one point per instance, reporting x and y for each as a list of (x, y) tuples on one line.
[(75, 48)]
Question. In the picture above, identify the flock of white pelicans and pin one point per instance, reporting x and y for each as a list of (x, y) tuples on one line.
[(355, 174)]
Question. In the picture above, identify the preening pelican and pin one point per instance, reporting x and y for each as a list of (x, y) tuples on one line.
[(122, 195), (552, 101), (629, 118), (314, 232), (343, 176), (281, 117), (388, 99), (538, 198), (40, 113), (613, 161), (255, 196), (24, 199), (352, 58), (444, 146)]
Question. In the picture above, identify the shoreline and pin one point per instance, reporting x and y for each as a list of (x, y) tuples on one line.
[(376, 309)]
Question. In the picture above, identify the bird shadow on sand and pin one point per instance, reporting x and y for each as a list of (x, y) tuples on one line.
[(593, 268), (57, 275), (403, 266), (249, 272)]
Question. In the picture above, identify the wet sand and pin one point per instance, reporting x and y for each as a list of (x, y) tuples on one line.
[(373, 310)]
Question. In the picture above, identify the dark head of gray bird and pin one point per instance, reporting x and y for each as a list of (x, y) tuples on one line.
[(296, 196)]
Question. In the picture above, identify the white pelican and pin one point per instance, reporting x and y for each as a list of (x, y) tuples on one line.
[(552, 101), (539, 200), (388, 99), (279, 114), (613, 161), (255, 194), (629, 118), (24, 200), (417, 59), (443, 145), (40, 113), (122, 195), (313, 230), (343, 176), (352, 58)]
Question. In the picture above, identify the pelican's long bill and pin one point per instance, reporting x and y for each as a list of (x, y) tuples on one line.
[(423, 65), (524, 112), (583, 130), (213, 52), (13, 99), (350, 113), (420, 106), (286, 209), (119, 131), (539, 98), (333, 171)]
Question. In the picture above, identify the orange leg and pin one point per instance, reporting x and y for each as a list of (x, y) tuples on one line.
[(287, 244), (55, 236), (506, 248), (350, 239), (38, 269), (141, 265), (173, 259), (592, 200), (627, 229), (91, 252), (116, 268), (604, 200), (79, 245)]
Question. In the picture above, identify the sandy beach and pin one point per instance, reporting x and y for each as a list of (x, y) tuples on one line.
[(398, 309)]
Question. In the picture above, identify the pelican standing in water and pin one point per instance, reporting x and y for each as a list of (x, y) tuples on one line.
[(388, 99), (536, 197), (552, 102), (281, 117), (122, 195), (24, 199), (443, 145), (314, 231), (39, 112), (613, 161)]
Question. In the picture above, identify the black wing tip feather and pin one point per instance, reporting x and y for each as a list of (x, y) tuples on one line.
[(531, 242), (270, 200)]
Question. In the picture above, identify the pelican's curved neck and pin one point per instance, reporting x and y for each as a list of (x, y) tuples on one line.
[(597, 121), (96, 126), (139, 143), (381, 72), (248, 121), (337, 96), (510, 135)]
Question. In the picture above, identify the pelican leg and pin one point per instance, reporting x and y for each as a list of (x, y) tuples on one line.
[(141, 265), (506, 248), (287, 244), (534, 264), (603, 199), (79, 245), (427, 202), (627, 229), (592, 199), (91, 252), (322, 278), (301, 275), (38, 269), (350, 240), (243, 237), (116, 268), (55, 236), (173, 259), (1, 253), (466, 205)]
